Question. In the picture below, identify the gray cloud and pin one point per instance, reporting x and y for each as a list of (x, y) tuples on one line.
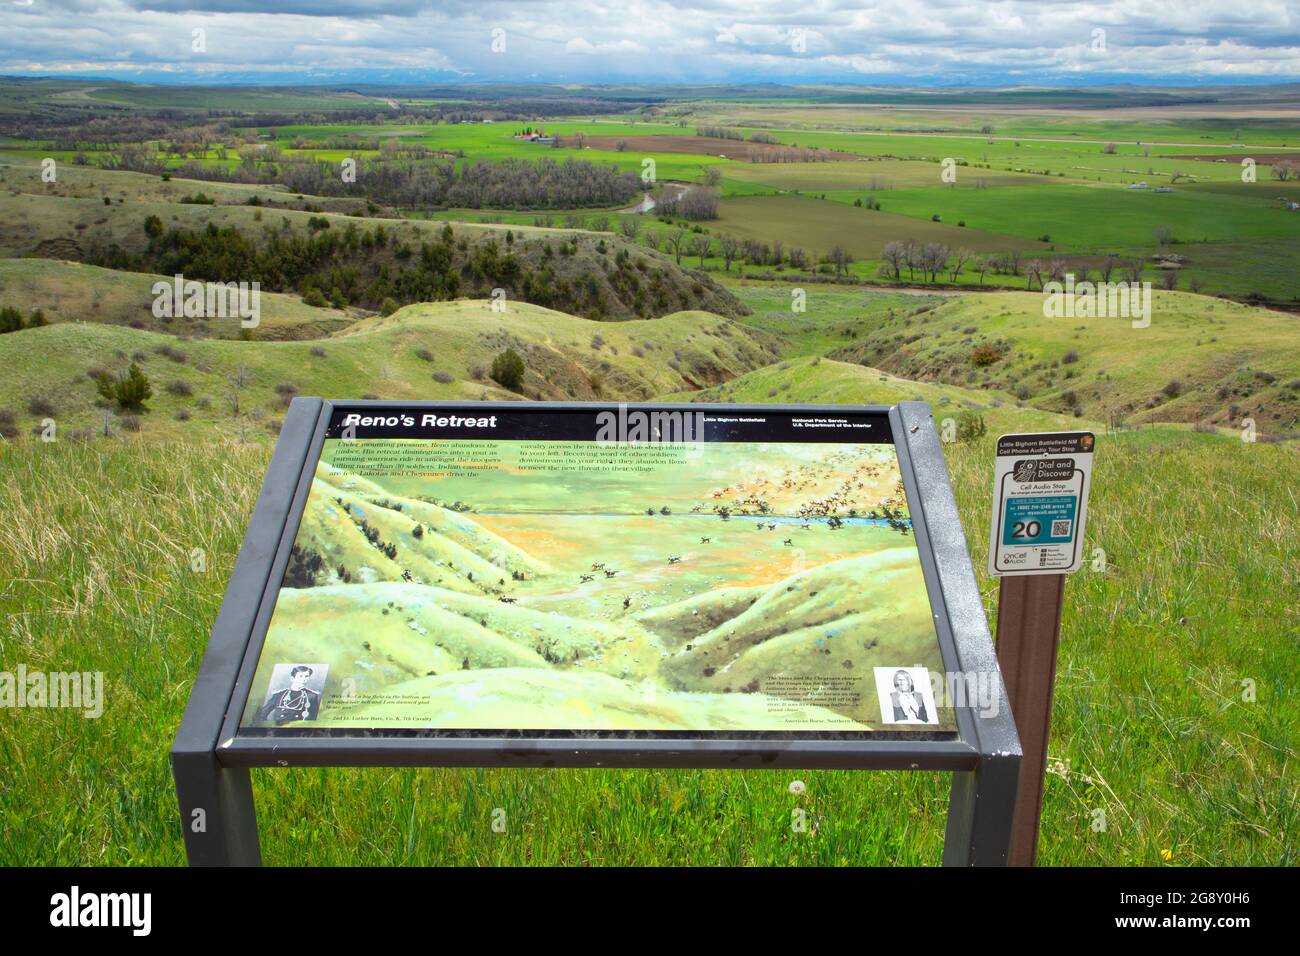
[(662, 40)]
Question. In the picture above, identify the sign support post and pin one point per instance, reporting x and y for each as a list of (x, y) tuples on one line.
[(1028, 634), (1040, 503)]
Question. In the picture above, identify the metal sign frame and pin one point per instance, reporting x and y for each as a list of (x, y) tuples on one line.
[(211, 761)]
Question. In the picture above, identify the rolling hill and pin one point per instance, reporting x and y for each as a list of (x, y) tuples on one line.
[(434, 350), (1200, 360)]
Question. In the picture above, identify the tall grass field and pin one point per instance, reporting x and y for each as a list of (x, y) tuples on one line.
[(1173, 737)]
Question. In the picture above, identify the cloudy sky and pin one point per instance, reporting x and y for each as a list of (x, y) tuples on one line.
[(644, 41)]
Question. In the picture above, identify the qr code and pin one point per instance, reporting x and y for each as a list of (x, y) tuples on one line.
[(1061, 529)]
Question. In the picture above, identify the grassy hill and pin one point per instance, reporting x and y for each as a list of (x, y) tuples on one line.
[(97, 218), (436, 350), (818, 380), (75, 292), (1200, 360)]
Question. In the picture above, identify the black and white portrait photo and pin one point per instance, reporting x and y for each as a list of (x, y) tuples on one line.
[(906, 696), (295, 693)]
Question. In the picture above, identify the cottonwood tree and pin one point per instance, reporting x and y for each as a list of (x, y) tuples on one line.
[(894, 255), (841, 259), (960, 258), (675, 238), (1034, 273), (729, 246), (934, 256), (700, 246), (1108, 267)]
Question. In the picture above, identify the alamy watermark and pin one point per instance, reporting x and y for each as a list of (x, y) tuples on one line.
[(74, 690), (636, 426), (1098, 300), (191, 299)]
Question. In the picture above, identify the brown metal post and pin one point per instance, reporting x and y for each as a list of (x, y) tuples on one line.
[(1029, 631)]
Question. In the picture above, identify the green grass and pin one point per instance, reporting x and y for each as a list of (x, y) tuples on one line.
[(566, 357), (818, 226), (73, 292), (1201, 359), (1094, 217), (1148, 716)]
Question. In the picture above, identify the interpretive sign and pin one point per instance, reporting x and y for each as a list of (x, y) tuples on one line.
[(1040, 500), (578, 584)]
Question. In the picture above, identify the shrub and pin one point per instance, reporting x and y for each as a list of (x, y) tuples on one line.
[(985, 354), (1173, 389), (1070, 357), (131, 422), (315, 298), (388, 307), (40, 405), (424, 354), (970, 426), (317, 351), (179, 388), (446, 378), (183, 415), (508, 370), (8, 424)]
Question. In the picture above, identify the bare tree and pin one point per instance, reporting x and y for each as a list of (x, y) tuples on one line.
[(841, 259), (933, 259), (730, 248), (894, 255), (1108, 267), (630, 226), (960, 258), (911, 258), (675, 238), (1164, 235), (700, 246), (1033, 273)]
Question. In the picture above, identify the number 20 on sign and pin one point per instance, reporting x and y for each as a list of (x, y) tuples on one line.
[(1040, 501)]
